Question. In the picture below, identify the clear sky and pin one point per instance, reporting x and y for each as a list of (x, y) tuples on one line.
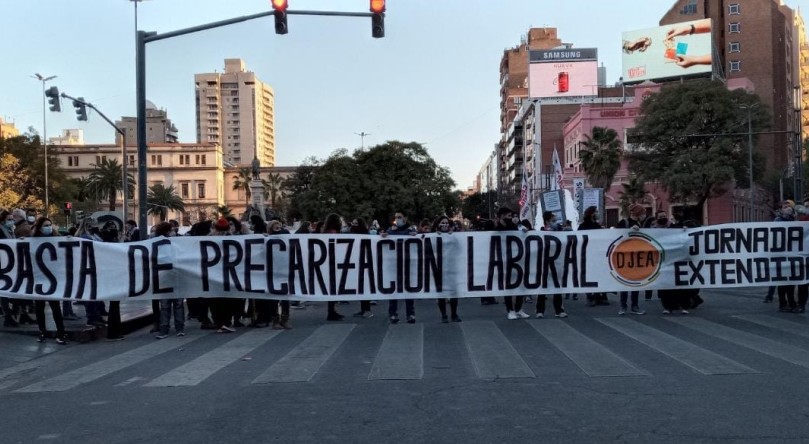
[(433, 79)]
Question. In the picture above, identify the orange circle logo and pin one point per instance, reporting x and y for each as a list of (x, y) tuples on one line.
[(635, 260)]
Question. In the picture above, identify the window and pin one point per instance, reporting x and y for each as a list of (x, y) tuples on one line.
[(733, 9), (734, 28), (73, 161), (234, 93), (157, 159), (735, 66), (735, 47), (690, 8), (185, 159), (200, 191), (100, 159), (212, 107), (132, 160), (184, 190), (200, 158)]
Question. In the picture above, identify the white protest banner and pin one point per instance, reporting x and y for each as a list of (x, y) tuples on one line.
[(354, 267)]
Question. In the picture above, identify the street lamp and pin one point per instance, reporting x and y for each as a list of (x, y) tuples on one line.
[(44, 80), (136, 12), (750, 109), (362, 135)]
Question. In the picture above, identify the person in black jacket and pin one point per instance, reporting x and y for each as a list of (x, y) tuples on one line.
[(513, 307), (590, 222)]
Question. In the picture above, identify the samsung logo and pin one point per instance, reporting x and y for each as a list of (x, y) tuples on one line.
[(555, 55), (561, 55)]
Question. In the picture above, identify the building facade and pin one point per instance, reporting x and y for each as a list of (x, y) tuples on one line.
[(8, 129), (159, 129), (236, 110), (68, 137)]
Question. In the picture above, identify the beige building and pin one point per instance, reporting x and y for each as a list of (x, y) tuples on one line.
[(159, 129), (236, 110), (68, 137), (8, 129)]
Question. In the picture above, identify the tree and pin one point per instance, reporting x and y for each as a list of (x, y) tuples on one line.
[(601, 157), (694, 139), (241, 181), (29, 175), (273, 187), (105, 181), (161, 199), (223, 211), (480, 205), (633, 191), (303, 203), (12, 191)]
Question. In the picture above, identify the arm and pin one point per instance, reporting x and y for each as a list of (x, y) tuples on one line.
[(687, 61)]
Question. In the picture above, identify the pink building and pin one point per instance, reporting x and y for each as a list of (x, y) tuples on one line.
[(733, 206)]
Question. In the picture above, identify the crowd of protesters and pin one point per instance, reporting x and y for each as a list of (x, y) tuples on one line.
[(225, 315)]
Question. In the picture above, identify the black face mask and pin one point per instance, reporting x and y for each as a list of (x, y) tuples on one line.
[(662, 221)]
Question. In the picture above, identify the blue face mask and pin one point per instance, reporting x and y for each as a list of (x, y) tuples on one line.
[(400, 222), (9, 224), (47, 231)]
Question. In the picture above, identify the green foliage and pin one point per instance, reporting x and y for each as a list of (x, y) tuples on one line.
[(241, 181), (272, 187), (601, 157), (223, 211), (28, 178), (105, 181), (372, 184), (480, 204), (633, 191), (161, 199), (694, 139)]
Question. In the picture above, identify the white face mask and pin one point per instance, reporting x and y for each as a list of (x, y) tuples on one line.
[(47, 231), (9, 224), (31, 219)]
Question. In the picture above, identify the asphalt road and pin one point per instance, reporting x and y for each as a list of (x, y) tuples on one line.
[(732, 370)]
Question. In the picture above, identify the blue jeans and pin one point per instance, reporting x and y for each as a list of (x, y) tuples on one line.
[(393, 307), (167, 307)]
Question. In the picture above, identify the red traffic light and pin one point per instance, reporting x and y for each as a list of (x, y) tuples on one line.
[(377, 6), (68, 206), (280, 5)]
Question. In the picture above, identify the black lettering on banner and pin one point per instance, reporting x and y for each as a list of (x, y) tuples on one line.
[(249, 266), (571, 267), (366, 268), (495, 263), (696, 274), (7, 281), (743, 271), (157, 267), (796, 269), (296, 266), (795, 238), (693, 250), (681, 273), (762, 269), (711, 263), (399, 265), (282, 247), (317, 257), (433, 261), (470, 266), (25, 268), (87, 270), (49, 276), (779, 239), (533, 248), (380, 270), (514, 254), (726, 237), (728, 272), (409, 285), (229, 263), (583, 280), (761, 239), (143, 252), (744, 240), (332, 267), (207, 261), (553, 249), (345, 265), (68, 246), (778, 276)]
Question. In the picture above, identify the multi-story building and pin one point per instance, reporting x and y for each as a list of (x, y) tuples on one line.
[(236, 110), (159, 129), (68, 137), (801, 49), (8, 129)]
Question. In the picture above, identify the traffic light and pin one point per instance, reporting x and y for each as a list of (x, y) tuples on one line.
[(378, 19), (52, 94), (79, 215), (280, 7), (68, 208), (81, 109)]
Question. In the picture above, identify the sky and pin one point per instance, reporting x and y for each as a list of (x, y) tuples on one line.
[(433, 79)]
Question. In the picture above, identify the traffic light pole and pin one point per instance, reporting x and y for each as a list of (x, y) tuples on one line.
[(140, 81), (125, 176)]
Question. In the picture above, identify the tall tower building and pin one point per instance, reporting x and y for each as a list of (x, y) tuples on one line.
[(237, 111)]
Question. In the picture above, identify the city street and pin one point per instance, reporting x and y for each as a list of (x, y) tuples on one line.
[(733, 369)]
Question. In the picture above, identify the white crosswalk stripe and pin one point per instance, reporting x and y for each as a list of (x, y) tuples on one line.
[(401, 355), (492, 354), (304, 361)]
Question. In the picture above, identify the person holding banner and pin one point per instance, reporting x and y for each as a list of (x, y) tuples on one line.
[(443, 225), (358, 226), (43, 227), (401, 228), (590, 222), (637, 213), (279, 322), (333, 225), (514, 309), (550, 224), (222, 308)]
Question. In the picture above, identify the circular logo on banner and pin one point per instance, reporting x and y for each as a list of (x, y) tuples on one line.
[(635, 259)]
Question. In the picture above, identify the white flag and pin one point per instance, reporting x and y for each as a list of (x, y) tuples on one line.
[(558, 173)]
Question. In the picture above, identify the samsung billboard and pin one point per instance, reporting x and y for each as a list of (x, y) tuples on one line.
[(563, 72), (678, 50)]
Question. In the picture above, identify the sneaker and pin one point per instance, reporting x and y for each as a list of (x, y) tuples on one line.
[(523, 315), (622, 311), (373, 302), (394, 319), (162, 336), (512, 315), (334, 316), (685, 312), (444, 319), (666, 312), (41, 337), (367, 315), (298, 306), (61, 340), (561, 315), (455, 318), (359, 314), (411, 319), (529, 300), (637, 311), (540, 315), (180, 334), (226, 329)]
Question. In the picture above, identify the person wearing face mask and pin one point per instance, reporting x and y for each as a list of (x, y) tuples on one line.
[(549, 223), (110, 233), (21, 226), (400, 227), (332, 225), (590, 222), (7, 233), (358, 226), (443, 226), (505, 222), (44, 228), (222, 308)]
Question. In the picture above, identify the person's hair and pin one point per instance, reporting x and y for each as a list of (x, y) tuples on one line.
[(132, 222), (237, 225), (661, 211), (547, 216), (503, 211), (589, 212), (174, 223), (438, 220), (332, 224), (360, 228), (19, 212), (202, 228), (304, 227), (425, 223), (71, 231), (37, 230), (525, 223), (85, 226), (4, 215), (400, 212), (162, 229), (259, 226)]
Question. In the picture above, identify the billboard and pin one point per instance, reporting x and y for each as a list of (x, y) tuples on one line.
[(681, 49), (563, 72)]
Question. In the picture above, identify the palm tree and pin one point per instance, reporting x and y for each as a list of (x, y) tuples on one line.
[(242, 181), (273, 187), (105, 181), (161, 199), (633, 191), (223, 211), (601, 157)]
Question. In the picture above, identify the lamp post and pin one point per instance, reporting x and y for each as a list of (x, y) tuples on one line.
[(362, 136), (45, 80), (750, 109)]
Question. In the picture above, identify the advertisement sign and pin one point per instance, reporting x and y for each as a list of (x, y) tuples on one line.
[(563, 72), (590, 197), (678, 50)]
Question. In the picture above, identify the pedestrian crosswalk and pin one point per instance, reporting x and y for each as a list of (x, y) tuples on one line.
[(608, 347)]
